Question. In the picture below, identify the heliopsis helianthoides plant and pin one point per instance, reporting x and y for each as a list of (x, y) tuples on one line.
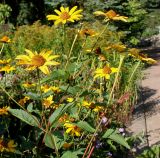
[(71, 104), (65, 15), (36, 60)]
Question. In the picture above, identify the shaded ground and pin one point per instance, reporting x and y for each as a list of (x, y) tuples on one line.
[(146, 116)]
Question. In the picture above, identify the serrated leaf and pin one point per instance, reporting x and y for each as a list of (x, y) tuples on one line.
[(69, 154), (24, 116), (57, 74), (73, 154), (54, 140), (33, 96), (108, 133), (119, 139), (85, 126)]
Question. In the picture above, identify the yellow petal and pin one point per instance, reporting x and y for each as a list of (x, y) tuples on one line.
[(72, 10), (44, 69)]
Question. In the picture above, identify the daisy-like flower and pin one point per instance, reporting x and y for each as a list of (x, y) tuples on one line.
[(23, 101), (5, 61), (65, 15), (70, 100), (139, 56), (72, 129), (67, 145), (37, 60), (5, 39), (118, 47), (28, 85), (88, 32), (105, 72), (10, 146), (111, 15), (7, 68), (4, 110), (47, 102)]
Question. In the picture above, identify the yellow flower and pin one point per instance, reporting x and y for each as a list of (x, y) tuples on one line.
[(139, 56), (105, 72), (67, 145), (5, 61), (28, 84), (87, 104), (23, 101), (111, 15), (55, 89), (7, 68), (65, 15), (35, 60), (149, 60), (72, 129), (4, 110), (118, 47), (5, 39), (88, 32), (98, 108), (48, 101), (10, 146), (70, 100)]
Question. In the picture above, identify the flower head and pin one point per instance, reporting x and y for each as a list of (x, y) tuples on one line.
[(65, 15), (5, 61), (48, 101), (5, 39), (88, 32), (111, 15), (4, 110), (105, 72), (72, 129), (28, 84), (7, 68), (10, 146), (70, 100), (35, 60), (23, 100)]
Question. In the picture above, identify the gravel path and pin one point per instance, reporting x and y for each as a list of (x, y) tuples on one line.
[(149, 107)]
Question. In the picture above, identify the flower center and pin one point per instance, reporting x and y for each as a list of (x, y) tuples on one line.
[(38, 60), (107, 70), (65, 16), (111, 14)]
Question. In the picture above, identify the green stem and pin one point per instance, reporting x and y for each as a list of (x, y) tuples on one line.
[(71, 49), (2, 48), (133, 72), (40, 91), (116, 78), (99, 37)]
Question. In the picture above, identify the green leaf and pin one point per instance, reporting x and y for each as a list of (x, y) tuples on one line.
[(33, 96), (73, 154), (85, 126), (113, 135), (69, 154), (25, 116), (58, 113), (54, 140), (119, 139), (56, 75), (108, 133)]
